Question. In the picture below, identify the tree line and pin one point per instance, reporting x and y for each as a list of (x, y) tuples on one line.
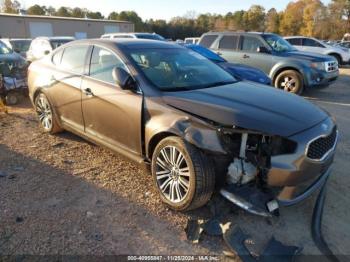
[(302, 17)]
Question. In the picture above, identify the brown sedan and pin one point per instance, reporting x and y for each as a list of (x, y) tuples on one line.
[(191, 122)]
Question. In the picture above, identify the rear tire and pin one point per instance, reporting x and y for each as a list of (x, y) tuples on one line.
[(290, 81), (46, 114), (182, 174), (12, 99)]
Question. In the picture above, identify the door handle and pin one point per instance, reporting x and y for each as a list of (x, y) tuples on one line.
[(88, 92), (246, 56)]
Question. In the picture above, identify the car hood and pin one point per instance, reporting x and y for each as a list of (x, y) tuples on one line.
[(246, 72), (250, 106), (312, 57)]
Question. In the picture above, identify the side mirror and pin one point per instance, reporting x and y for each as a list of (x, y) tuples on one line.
[(46, 52), (123, 79), (263, 49)]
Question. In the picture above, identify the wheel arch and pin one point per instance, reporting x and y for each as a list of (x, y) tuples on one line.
[(280, 70), (336, 55)]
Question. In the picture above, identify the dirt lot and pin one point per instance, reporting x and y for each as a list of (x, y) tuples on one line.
[(63, 195)]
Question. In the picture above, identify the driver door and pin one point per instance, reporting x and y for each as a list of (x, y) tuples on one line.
[(111, 115)]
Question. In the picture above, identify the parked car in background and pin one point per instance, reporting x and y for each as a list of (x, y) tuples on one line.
[(190, 121), (150, 36), (191, 40), (13, 75), (345, 44), (290, 70), (42, 46), (309, 44), (19, 45), (242, 72)]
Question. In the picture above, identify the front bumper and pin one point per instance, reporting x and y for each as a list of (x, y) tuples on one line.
[(317, 78), (295, 173)]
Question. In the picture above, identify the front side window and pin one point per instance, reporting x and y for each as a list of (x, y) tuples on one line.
[(311, 43), (278, 44), (102, 64), (208, 40), (251, 44), (73, 58), (176, 69), (229, 42)]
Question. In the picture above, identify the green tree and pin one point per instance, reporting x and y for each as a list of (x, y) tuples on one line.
[(63, 11), (272, 21), (36, 10), (11, 7), (94, 15), (78, 12), (255, 18)]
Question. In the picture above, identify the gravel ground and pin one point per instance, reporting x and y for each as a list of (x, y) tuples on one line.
[(62, 195)]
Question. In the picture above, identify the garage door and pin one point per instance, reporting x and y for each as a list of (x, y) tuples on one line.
[(112, 29), (40, 29)]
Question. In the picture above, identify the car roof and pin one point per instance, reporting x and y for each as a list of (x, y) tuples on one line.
[(55, 38), (237, 32), (130, 43)]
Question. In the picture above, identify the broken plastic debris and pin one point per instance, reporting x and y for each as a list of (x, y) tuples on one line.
[(277, 251), (194, 230), (213, 227)]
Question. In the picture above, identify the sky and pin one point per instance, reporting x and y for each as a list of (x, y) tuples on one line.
[(163, 9)]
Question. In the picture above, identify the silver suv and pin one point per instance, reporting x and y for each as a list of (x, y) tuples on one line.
[(289, 69)]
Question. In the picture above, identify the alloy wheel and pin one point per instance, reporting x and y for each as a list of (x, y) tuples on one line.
[(289, 84), (173, 174), (44, 112)]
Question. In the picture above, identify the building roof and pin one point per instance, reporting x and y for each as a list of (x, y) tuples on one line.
[(64, 18)]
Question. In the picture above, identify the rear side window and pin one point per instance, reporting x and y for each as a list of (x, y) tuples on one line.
[(102, 64), (294, 41), (208, 40), (251, 44), (74, 58), (229, 42)]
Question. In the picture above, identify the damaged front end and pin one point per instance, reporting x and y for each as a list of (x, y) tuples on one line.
[(13, 81), (263, 172)]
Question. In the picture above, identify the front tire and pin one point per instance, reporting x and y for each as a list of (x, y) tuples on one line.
[(290, 81), (46, 115), (183, 176)]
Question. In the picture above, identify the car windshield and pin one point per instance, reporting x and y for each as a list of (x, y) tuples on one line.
[(150, 36), (20, 45), (278, 44), (178, 69), (4, 49), (57, 43)]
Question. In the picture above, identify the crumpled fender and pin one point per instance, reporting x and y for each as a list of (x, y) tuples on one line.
[(197, 133)]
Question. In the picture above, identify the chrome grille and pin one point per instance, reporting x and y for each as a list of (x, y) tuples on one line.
[(319, 148), (331, 66)]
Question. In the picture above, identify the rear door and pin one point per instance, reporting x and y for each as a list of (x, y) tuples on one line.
[(227, 48), (65, 86), (111, 114)]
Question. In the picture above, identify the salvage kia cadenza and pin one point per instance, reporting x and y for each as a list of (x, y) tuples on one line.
[(195, 126)]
